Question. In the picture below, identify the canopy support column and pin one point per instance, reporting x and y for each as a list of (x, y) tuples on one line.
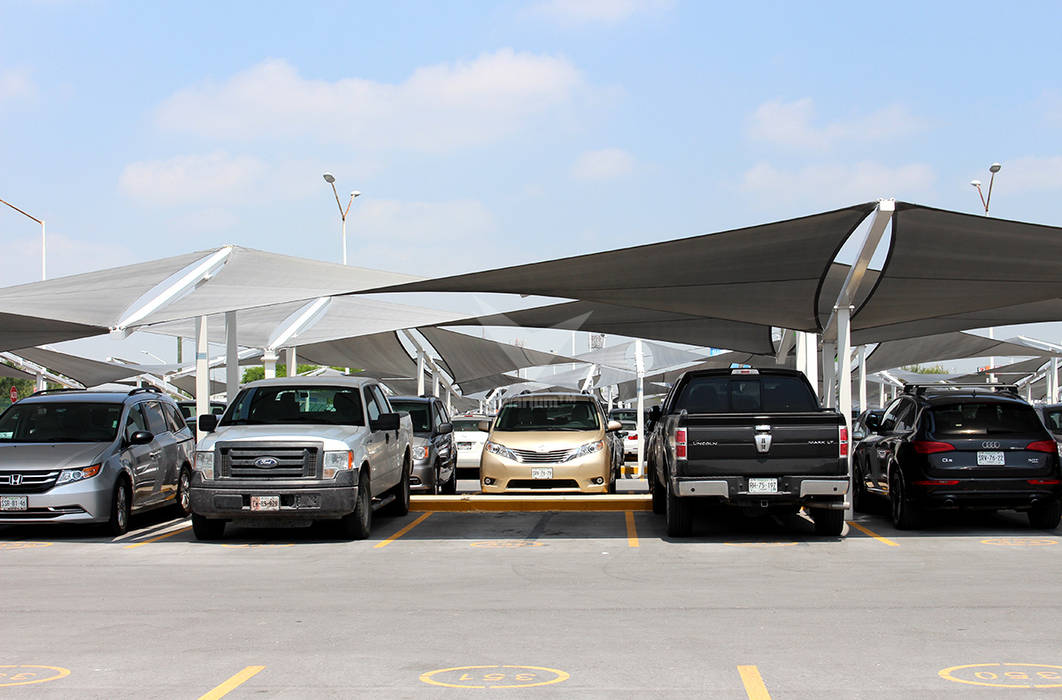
[(202, 369), (811, 360), (844, 385), (862, 378), (232, 358), (1053, 383), (801, 352), (435, 383), (269, 363), (829, 374), (292, 362), (420, 372), (639, 362)]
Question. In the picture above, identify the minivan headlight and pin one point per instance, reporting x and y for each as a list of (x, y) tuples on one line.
[(500, 450), (204, 464), (587, 449), (70, 475), (335, 462)]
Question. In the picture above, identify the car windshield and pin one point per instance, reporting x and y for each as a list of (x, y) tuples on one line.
[(310, 405), (548, 414), (975, 418), (464, 425), (60, 422), (624, 416), (1053, 419), (419, 412), (764, 393)]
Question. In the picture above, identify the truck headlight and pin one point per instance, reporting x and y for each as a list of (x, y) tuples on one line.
[(587, 449), (204, 464), (420, 452), (70, 475), (500, 450), (335, 462)]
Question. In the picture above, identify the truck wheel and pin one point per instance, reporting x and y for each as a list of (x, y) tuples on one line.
[(118, 524), (449, 488), (656, 490), (828, 523), (206, 529), (905, 516), (400, 506), (678, 514), (357, 525), (1045, 516)]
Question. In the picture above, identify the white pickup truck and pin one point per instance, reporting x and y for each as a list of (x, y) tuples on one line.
[(294, 451)]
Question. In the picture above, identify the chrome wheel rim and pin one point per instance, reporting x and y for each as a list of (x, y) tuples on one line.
[(182, 489), (121, 507)]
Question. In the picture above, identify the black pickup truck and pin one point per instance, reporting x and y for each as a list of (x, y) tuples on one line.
[(750, 438)]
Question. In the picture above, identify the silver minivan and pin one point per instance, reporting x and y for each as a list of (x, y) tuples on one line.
[(92, 457)]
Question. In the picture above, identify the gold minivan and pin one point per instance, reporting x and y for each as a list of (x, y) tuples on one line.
[(549, 442)]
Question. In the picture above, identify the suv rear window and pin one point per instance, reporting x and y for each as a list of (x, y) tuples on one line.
[(763, 393), (976, 418)]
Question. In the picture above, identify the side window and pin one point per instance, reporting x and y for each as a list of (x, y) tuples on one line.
[(370, 404), (381, 400), (134, 422), (905, 416), (156, 421), (173, 417), (888, 421), (437, 416)]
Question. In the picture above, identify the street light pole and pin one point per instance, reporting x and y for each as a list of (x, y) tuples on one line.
[(44, 269), (331, 180), (985, 201)]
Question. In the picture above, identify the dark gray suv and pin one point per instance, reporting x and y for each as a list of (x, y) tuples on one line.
[(92, 457), (434, 452)]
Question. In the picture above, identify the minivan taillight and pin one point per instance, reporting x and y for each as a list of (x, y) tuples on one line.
[(680, 443), (1042, 446), (842, 441), (928, 447)]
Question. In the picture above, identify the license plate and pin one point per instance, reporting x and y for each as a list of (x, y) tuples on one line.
[(464, 445), (13, 503), (763, 485), (990, 459), (543, 473), (265, 502)]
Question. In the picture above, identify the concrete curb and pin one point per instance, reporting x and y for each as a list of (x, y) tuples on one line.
[(480, 503)]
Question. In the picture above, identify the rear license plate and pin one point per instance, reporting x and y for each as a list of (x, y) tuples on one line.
[(990, 459), (464, 445), (265, 502), (763, 485), (543, 473), (13, 503)]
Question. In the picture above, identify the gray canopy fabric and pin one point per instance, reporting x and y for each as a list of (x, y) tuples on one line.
[(1033, 312), (468, 357), (635, 322), (14, 373), (767, 274), (88, 372), (187, 385), (380, 355), (1007, 374), (943, 263), (18, 331), (654, 356), (945, 346)]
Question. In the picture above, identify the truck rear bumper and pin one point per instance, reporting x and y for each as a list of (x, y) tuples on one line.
[(808, 490), (320, 503)]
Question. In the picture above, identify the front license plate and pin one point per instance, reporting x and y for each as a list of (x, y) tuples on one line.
[(13, 503), (543, 473), (265, 502), (990, 459), (464, 445), (763, 485)]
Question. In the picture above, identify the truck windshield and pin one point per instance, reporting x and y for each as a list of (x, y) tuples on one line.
[(974, 418), (548, 415), (763, 393), (310, 405), (60, 422), (418, 412)]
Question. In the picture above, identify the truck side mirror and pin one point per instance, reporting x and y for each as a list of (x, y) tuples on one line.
[(445, 428), (386, 421), (208, 422)]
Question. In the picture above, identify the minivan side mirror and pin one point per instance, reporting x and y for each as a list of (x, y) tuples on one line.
[(386, 421), (613, 426), (445, 428), (208, 422), (141, 437), (483, 426)]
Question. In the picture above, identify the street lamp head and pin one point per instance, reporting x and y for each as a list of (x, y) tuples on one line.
[(329, 178), (994, 168), (355, 193), (975, 183)]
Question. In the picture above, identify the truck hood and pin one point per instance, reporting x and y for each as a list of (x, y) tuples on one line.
[(334, 436), (546, 440), (65, 455)]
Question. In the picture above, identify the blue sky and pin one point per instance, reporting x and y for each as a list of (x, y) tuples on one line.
[(489, 134)]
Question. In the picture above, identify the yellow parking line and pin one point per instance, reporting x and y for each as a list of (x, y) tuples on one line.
[(232, 683), (754, 686), (632, 532), (403, 531), (868, 531), (160, 537)]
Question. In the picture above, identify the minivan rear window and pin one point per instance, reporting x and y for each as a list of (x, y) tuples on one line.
[(975, 418), (762, 393)]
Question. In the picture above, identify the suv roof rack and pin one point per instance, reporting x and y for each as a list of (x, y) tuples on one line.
[(41, 392), (921, 389), (144, 389)]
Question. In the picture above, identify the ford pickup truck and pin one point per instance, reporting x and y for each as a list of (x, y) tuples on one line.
[(293, 451), (756, 439)]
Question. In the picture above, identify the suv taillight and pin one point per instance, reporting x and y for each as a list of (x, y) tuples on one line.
[(842, 441), (680, 443), (928, 447), (1042, 446)]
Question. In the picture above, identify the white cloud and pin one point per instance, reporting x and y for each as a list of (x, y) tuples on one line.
[(604, 164), (790, 125), (839, 184), (437, 108), (574, 12), (16, 85), (190, 178), (66, 256), (1031, 174)]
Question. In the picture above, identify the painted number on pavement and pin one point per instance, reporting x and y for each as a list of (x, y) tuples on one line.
[(494, 677), (25, 674), (1006, 675)]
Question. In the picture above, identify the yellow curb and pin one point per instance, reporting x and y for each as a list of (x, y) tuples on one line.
[(482, 503)]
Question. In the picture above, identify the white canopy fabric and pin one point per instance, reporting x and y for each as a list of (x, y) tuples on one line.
[(767, 274), (467, 357), (654, 355), (18, 331), (947, 346), (87, 372)]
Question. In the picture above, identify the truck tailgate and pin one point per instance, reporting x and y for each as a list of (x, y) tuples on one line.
[(804, 444)]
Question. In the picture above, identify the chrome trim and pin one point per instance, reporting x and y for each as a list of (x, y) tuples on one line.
[(823, 487), (713, 487)]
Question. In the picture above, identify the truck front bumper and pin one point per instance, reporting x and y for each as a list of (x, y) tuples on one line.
[(814, 491), (320, 501)]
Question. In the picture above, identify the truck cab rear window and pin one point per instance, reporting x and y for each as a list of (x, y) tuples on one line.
[(975, 418), (762, 393)]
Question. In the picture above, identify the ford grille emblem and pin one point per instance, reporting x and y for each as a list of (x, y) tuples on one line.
[(266, 462)]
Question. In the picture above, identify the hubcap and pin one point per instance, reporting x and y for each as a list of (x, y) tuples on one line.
[(184, 492), (121, 506)]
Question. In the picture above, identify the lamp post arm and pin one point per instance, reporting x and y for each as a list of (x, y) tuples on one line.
[(339, 204), (21, 212)]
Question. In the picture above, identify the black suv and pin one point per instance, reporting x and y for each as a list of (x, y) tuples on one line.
[(959, 447), (434, 451)]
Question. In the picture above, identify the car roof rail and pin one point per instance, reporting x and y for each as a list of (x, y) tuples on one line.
[(144, 390), (921, 389), (42, 392)]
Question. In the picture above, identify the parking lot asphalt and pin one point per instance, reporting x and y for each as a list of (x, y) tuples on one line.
[(535, 605)]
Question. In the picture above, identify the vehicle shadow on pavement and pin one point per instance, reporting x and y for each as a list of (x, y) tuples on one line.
[(141, 525), (973, 524)]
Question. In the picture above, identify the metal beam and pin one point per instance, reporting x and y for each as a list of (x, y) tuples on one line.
[(232, 357), (297, 322), (785, 344), (193, 276), (202, 369)]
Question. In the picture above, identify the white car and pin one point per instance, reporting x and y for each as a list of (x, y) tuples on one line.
[(469, 440)]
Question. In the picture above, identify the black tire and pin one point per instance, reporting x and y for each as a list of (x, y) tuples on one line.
[(828, 523), (449, 488), (1045, 516), (358, 525), (184, 502), (678, 514), (400, 505), (121, 509), (656, 490), (206, 529), (859, 491), (905, 516)]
